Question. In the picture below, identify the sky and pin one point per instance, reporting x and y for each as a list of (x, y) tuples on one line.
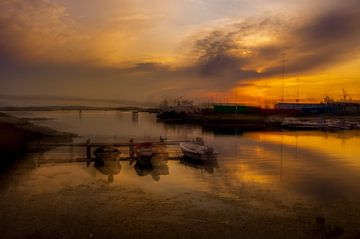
[(206, 50)]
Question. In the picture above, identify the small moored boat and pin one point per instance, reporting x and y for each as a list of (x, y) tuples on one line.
[(105, 154), (144, 150), (196, 151)]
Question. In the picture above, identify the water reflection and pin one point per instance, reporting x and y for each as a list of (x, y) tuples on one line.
[(135, 118), (207, 166), (109, 168), (223, 130), (107, 161), (314, 165), (271, 175), (156, 167)]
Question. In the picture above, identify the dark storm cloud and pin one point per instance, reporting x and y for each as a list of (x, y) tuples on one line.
[(310, 43), (331, 37), (214, 58), (216, 61)]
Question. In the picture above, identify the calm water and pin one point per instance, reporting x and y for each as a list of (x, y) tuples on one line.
[(311, 165), (316, 170)]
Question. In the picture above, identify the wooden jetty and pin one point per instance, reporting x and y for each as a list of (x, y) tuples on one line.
[(89, 145), (118, 144), (85, 160)]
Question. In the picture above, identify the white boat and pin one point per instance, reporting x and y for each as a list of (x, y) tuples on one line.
[(316, 124), (196, 151), (293, 123)]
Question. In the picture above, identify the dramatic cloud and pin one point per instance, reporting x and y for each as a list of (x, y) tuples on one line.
[(148, 50), (253, 48)]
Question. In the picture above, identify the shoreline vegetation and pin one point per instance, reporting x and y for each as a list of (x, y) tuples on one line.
[(17, 133)]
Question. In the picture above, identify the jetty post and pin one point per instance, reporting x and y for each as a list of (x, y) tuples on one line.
[(131, 148), (88, 148)]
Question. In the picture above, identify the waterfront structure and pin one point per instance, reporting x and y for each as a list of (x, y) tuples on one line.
[(346, 107), (235, 108), (335, 107), (304, 108), (178, 105)]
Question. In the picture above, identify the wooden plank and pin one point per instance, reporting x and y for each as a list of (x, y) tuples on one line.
[(97, 144), (83, 160)]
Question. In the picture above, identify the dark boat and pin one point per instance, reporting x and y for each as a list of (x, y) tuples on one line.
[(106, 153), (144, 152)]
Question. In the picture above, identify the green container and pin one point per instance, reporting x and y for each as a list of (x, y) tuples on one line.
[(225, 108), (235, 109)]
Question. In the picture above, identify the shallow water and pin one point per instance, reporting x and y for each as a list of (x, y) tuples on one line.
[(280, 174)]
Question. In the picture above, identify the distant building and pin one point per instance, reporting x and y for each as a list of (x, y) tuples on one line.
[(346, 107), (178, 105), (305, 108), (337, 107)]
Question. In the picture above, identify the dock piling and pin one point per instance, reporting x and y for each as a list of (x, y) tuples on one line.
[(131, 148), (88, 148)]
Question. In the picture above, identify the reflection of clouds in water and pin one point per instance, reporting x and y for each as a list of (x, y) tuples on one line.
[(207, 166), (299, 164), (315, 165), (105, 125)]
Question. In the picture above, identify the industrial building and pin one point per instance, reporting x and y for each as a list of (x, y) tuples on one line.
[(337, 107), (305, 108)]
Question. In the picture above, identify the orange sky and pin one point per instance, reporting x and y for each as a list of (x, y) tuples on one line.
[(201, 49)]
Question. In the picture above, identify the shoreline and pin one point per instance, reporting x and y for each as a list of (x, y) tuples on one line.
[(17, 133)]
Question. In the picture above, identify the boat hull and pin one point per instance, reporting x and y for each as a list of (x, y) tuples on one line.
[(198, 152), (191, 155)]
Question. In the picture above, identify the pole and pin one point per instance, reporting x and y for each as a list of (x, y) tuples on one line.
[(283, 72), (131, 148), (88, 148), (297, 91)]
